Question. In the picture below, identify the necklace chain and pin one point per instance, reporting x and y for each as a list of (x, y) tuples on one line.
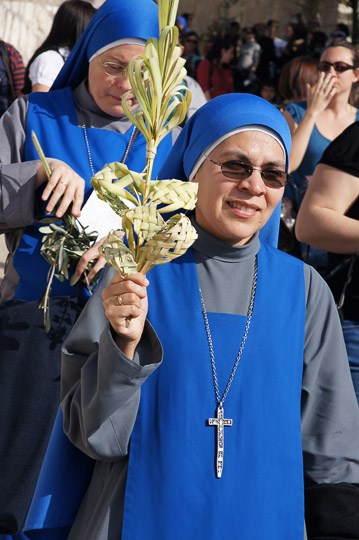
[(129, 144), (220, 400)]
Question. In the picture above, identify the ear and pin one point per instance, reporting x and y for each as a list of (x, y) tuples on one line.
[(356, 75)]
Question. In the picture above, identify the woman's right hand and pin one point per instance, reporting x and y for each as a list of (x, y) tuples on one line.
[(126, 305), (320, 94), (63, 183)]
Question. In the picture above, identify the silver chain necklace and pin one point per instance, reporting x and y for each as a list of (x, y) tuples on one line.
[(129, 144), (220, 422)]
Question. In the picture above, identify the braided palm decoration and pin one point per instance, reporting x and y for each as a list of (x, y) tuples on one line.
[(157, 82)]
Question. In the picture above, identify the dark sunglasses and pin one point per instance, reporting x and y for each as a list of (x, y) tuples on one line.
[(191, 41), (236, 170), (339, 67)]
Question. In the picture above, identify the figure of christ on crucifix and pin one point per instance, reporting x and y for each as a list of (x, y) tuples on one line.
[(220, 422)]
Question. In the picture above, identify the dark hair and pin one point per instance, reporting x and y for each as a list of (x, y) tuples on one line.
[(295, 74), (69, 22), (214, 53), (343, 28)]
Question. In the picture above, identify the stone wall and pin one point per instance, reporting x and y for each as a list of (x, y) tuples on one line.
[(26, 23)]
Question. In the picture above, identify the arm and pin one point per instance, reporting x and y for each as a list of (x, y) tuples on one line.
[(100, 384), (321, 221), (330, 415), (40, 88), (318, 98), (19, 179)]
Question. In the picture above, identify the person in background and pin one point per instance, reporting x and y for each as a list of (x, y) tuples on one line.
[(189, 17), (296, 37), (328, 219), (279, 43), (268, 91), (317, 39), (191, 53), (181, 24), (81, 126), (266, 69), (316, 121), (12, 75), (69, 22), (213, 72), (295, 76), (229, 392), (248, 62)]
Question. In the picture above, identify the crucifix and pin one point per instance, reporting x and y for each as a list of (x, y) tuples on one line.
[(220, 423)]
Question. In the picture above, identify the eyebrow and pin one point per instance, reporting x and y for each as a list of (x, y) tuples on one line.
[(241, 156)]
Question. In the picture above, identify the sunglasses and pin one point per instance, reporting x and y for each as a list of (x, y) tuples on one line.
[(237, 170), (339, 67), (191, 41)]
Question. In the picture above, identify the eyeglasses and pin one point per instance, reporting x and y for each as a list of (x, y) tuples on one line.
[(191, 41), (339, 67), (236, 170), (113, 70)]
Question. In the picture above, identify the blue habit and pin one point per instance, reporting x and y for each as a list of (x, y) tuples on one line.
[(53, 118), (172, 490)]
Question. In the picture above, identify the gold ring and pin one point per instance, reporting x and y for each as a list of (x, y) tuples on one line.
[(120, 301), (64, 183)]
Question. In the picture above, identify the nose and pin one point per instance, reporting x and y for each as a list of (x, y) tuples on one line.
[(123, 82), (254, 183)]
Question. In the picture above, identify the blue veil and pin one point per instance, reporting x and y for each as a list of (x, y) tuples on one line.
[(114, 20), (211, 122)]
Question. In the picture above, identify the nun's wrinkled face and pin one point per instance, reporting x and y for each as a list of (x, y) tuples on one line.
[(108, 80), (234, 210)]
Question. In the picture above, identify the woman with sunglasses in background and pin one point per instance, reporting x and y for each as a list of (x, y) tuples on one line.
[(315, 122)]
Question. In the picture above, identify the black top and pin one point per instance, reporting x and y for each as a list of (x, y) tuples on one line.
[(343, 154)]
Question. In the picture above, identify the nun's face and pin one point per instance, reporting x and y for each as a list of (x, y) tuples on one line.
[(108, 81), (234, 210)]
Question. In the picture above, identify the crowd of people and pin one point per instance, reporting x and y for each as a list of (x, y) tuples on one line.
[(115, 417)]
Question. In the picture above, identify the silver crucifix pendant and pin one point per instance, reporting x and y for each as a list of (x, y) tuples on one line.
[(220, 422)]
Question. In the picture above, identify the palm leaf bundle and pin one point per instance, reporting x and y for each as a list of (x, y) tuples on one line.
[(157, 82)]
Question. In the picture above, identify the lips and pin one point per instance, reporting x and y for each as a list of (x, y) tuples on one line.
[(243, 207)]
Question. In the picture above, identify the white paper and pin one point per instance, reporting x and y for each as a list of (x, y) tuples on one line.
[(98, 216)]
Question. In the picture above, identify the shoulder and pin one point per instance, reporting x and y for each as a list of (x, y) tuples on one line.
[(281, 256), (47, 58), (296, 108)]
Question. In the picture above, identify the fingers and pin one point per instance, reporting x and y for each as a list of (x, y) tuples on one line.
[(124, 300), (91, 255), (65, 187), (325, 83)]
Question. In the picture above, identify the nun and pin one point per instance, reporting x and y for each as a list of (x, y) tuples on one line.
[(81, 126), (230, 390)]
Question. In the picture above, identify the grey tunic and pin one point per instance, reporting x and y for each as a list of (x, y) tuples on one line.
[(101, 387)]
